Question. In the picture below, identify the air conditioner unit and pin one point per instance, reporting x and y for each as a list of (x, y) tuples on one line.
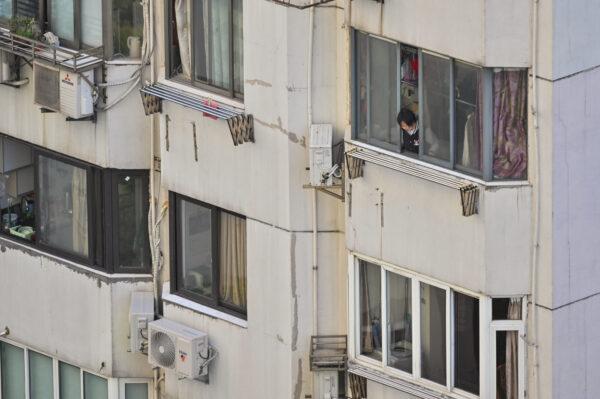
[(320, 157), (46, 81), (76, 99), (179, 348), (141, 312)]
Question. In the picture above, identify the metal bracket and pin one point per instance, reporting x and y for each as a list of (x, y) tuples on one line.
[(354, 166), (92, 118), (300, 6), (152, 104), (324, 189), (469, 199), (241, 128)]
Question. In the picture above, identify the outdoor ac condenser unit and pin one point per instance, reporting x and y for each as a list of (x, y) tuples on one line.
[(141, 313), (320, 156), (179, 348), (46, 86), (76, 94)]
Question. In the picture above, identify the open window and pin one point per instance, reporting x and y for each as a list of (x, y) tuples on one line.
[(441, 110)]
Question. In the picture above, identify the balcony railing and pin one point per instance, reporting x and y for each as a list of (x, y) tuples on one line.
[(31, 49)]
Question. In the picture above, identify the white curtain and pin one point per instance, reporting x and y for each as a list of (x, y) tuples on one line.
[(91, 23), (232, 260), (512, 352), (218, 33), (182, 17), (62, 21)]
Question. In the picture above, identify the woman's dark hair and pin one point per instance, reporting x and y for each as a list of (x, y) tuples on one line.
[(407, 116)]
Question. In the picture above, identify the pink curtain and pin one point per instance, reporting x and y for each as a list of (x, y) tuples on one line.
[(510, 124)]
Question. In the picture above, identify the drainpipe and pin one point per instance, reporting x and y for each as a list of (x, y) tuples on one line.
[(533, 341)]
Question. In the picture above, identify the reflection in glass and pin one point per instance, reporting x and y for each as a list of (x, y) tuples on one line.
[(400, 322), (383, 92), (466, 343), (69, 384), (133, 227), (40, 376), (13, 371), (127, 17), (196, 253), (6, 9), (436, 107), (433, 333), (468, 114), (370, 310), (362, 104), (63, 206), (507, 365)]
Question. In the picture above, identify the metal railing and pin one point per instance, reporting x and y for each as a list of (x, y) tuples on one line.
[(76, 61)]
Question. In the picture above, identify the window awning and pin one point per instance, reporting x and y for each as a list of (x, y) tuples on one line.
[(63, 57), (241, 126), (469, 192)]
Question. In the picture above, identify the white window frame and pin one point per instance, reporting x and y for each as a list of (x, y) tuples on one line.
[(487, 327), (114, 384)]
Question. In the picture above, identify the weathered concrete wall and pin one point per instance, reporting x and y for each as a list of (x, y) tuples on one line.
[(68, 311), (119, 139)]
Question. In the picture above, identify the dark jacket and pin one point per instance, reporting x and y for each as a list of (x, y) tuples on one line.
[(410, 142)]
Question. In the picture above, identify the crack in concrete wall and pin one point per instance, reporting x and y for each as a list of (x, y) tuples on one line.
[(298, 385), (258, 82), (293, 137)]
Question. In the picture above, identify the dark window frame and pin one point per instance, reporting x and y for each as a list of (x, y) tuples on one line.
[(176, 283), (171, 26), (102, 227)]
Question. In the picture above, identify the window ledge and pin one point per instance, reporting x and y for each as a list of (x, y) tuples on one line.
[(426, 167), (382, 378), (103, 276), (198, 308), (195, 91)]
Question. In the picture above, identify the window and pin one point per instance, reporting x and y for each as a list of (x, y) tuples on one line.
[(127, 28), (41, 384), (208, 251), (69, 381), (92, 215), (18, 8), (414, 328), (12, 363), (206, 44), (78, 23), (440, 110)]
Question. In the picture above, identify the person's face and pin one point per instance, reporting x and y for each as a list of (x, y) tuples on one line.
[(407, 128)]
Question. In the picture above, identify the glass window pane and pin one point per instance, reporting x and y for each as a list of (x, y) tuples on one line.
[(69, 382), (370, 310), (17, 197), (409, 92), (466, 343), (27, 8), (436, 107), (195, 247), (383, 93), (136, 391), (361, 55), (128, 22), (13, 371), (40, 376), (94, 387), (212, 30), (63, 206), (468, 116), (399, 304), (132, 215), (91, 23), (433, 333), (510, 124), (62, 21), (232, 260), (506, 309), (238, 47), (6, 9), (507, 365)]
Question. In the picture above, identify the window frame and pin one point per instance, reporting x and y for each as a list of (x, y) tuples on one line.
[(485, 328), (114, 384), (176, 284), (486, 173), (171, 25), (102, 212)]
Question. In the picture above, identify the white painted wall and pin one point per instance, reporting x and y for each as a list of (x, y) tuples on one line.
[(68, 312), (119, 139)]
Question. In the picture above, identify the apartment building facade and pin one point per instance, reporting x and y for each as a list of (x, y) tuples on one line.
[(451, 253)]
